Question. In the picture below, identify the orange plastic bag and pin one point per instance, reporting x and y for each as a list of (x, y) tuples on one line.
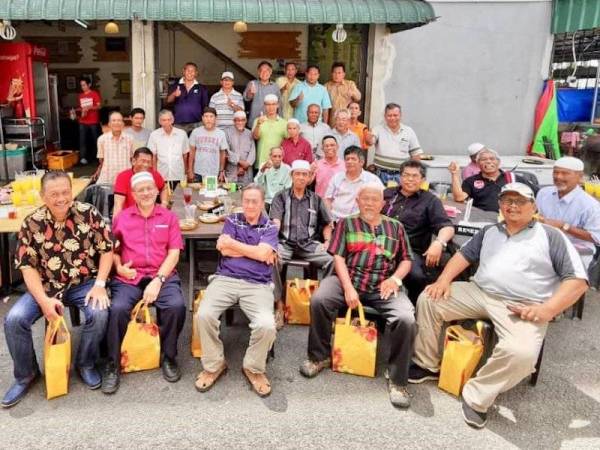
[(462, 352), (354, 346), (57, 358), (140, 349), (196, 346), (297, 300)]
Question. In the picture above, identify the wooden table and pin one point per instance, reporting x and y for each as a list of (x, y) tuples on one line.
[(8, 226)]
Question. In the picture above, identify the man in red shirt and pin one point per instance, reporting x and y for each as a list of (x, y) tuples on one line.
[(141, 162), (295, 146), (89, 120)]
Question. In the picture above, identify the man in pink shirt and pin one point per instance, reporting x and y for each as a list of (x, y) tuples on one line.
[(149, 243), (295, 146), (324, 169), (472, 168)]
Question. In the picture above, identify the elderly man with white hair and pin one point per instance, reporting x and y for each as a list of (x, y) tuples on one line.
[(341, 131), (371, 256), (569, 208), (269, 129), (295, 146), (170, 147), (472, 168), (484, 187), (145, 269)]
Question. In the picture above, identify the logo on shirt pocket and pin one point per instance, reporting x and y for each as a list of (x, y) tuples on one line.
[(478, 184)]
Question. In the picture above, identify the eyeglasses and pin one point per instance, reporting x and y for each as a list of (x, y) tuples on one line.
[(514, 201)]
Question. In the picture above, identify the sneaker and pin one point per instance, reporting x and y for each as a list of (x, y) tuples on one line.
[(83, 161), (417, 375), (473, 418), (311, 369), (399, 395)]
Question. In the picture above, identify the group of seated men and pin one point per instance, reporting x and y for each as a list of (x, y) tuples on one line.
[(528, 271)]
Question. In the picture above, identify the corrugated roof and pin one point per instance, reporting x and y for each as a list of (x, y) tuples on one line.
[(574, 15)]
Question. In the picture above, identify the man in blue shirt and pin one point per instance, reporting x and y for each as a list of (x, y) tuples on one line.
[(189, 98), (310, 92)]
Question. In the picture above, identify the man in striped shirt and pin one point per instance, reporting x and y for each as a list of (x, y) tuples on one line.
[(227, 101), (371, 257)]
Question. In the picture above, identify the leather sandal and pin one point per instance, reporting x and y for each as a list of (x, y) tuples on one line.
[(259, 382), (206, 380)]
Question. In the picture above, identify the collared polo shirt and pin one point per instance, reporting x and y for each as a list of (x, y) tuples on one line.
[(341, 95), (316, 94), (342, 192), (421, 213), (244, 268), (325, 172), (393, 148), (299, 150), (577, 208), (116, 153), (123, 185), (145, 241), (189, 106), (315, 134), (274, 180), (220, 101), (169, 150), (527, 266), (345, 140), (484, 191), (87, 100)]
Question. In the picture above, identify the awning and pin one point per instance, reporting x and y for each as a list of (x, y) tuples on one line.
[(400, 14), (574, 15)]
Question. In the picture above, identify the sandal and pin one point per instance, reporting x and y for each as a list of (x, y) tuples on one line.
[(206, 380), (259, 382), (279, 319)]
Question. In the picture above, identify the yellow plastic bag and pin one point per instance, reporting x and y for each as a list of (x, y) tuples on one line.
[(354, 346), (297, 300), (462, 352), (195, 345), (57, 358), (140, 349)]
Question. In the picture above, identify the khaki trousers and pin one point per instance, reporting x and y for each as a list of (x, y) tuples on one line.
[(513, 358), (256, 301)]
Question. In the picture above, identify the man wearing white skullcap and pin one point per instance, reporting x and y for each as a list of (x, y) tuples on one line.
[(295, 146), (569, 208), (472, 168), (268, 129), (145, 269), (242, 151), (300, 215)]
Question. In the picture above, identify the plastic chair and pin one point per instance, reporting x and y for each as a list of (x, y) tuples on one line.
[(101, 196)]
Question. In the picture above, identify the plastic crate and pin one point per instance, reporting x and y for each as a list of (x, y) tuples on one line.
[(16, 160), (62, 159)]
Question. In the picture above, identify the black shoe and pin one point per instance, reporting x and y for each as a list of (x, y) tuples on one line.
[(473, 418), (18, 390), (111, 379), (416, 374), (170, 370)]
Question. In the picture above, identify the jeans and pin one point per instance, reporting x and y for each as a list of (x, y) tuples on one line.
[(87, 134), (25, 312)]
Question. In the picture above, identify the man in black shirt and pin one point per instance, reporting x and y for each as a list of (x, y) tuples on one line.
[(423, 216)]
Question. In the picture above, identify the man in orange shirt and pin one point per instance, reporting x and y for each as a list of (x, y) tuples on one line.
[(358, 128)]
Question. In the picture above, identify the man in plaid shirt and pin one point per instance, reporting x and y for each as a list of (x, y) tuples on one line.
[(371, 257)]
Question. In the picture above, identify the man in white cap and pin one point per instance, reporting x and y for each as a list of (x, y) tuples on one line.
[(472, 168), (528, 273), (304, 221), (145, 269), (295, 146), (569, 208), (268, 129), (242, 150), (226, 101), (342, 133)]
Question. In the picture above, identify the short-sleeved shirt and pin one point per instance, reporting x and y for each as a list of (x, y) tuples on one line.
[(371, 255), (274, 180), (298, 150), (359, 130), (145, 241), (189, 106), (258, 101), (393, 148), (345, 140), (87, 100), (208, 145), (272, 132), (341, 95), (316, 94), (244, 268), (527, 266), (469, 170), (123, 185), (315, 134), (65, 254), (577, 208), (116, 153), (295, 216), (169, 150), (422, 215), (484, 191), (343, 192), (241, 148), (220, 101), (140, 138), (286, 110), (325, 172)]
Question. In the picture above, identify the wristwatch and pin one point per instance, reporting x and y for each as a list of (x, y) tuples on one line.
[(397, 280), (100, 283), (161, 278), (442, 243), (565, 227)]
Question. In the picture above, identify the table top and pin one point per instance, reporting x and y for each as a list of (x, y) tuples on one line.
[(14, 225)]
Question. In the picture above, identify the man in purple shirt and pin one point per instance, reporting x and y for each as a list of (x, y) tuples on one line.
[(189, 98), (248, 246), (149, 242)]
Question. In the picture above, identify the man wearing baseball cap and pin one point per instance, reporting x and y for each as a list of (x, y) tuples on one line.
[(472, 168), (569, 208), (226, 101), (528, 273)]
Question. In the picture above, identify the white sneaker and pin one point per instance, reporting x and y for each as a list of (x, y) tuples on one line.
[(83, 161)]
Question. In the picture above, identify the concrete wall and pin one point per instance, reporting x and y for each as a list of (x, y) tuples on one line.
[(473, 75)]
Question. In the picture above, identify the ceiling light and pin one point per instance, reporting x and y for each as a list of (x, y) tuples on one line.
[(240, 26), (82, 23), (111, 27)]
